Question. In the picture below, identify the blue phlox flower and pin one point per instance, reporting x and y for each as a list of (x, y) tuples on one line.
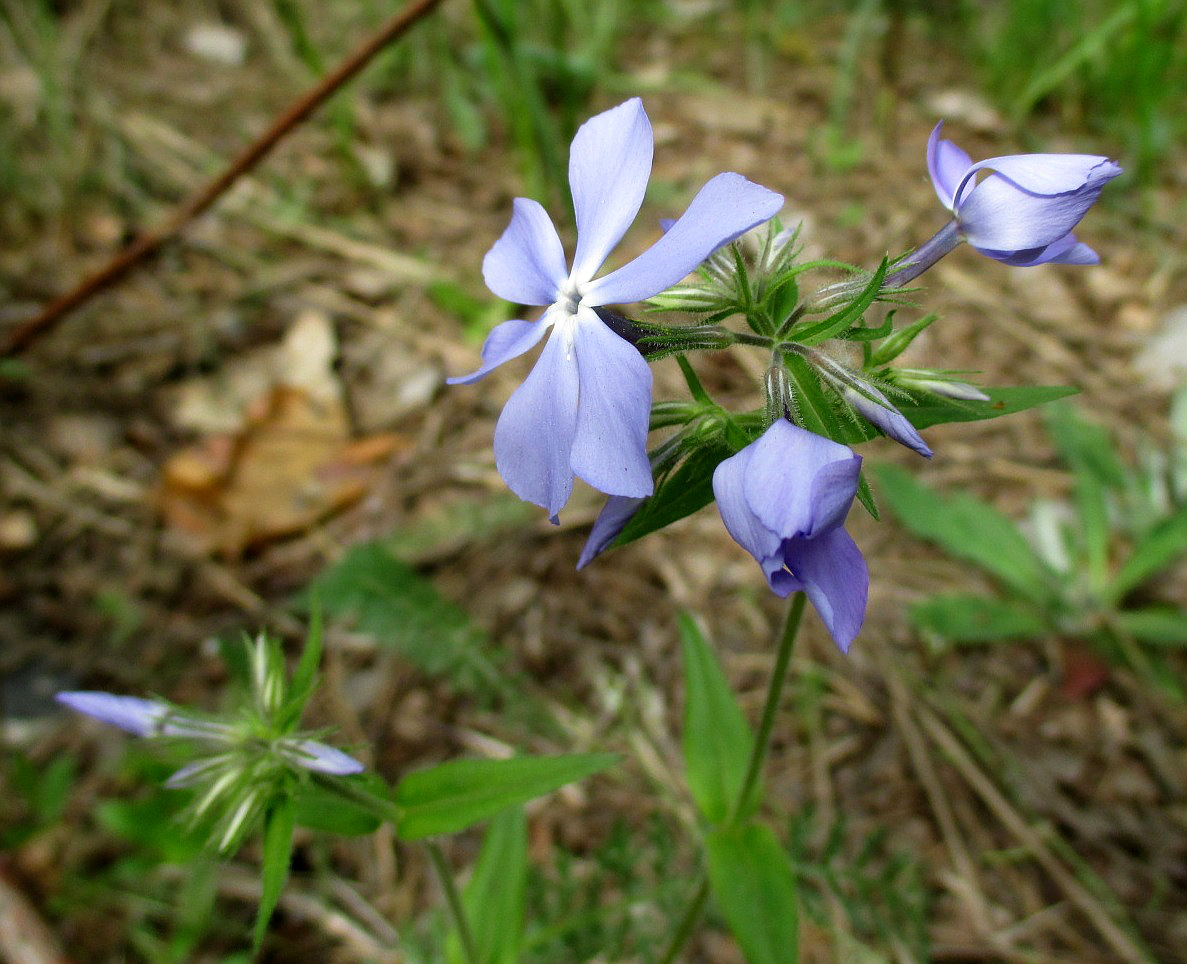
[(1024, 211), (584, 408), (784, 499)]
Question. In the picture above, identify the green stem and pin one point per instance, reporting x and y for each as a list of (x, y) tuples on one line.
[(774, 694), (758, 754), (688, 923), (454, 901)]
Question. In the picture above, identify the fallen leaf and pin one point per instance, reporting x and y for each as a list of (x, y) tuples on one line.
[(293, 464)]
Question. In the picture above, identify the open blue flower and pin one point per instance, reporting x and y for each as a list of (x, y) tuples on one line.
[(584, 408), (1023, 213), (784, 499)]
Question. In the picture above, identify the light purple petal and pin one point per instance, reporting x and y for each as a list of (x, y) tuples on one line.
[(888, 418), (946, 163), (321, 758), (609, 164), (527, 264), (1067, 250), (833, 491), (742, 524), (615, 514), (836, 579), (127, 712), (534, 434), (610, 447), (725, 208), (1002, 214), (506, 341), (779, 479), (1046, 175)]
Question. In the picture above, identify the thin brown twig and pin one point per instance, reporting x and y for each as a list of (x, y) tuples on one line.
[(147, 243)]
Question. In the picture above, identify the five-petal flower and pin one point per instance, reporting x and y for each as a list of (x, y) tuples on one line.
[(584, 408), (1023, 213), (784, 499)]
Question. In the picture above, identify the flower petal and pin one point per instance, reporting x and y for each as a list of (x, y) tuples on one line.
[(779, 481), (729, 485), (506, 341), (890, 420), (1031, 200), (609, 164), (725, 208), (836, 579), (1044, 174), (610, 447), (1067, 250), (946, 163), (526, 265), (130, 713), (615, 514), (321, 758), (534, 434)]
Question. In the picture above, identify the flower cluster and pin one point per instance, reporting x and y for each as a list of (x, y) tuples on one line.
[(240, 763), (783, 490)]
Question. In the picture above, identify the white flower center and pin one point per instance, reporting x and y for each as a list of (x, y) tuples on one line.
[(568, 297)]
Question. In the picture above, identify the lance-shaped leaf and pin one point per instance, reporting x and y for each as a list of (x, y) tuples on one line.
[(494, 898), (751, 879), (967, 528), (717, 738), (455, 795), (278, 851), (968, 618)]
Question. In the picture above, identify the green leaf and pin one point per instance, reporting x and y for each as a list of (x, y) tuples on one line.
[(924, 409), (846, 317), (717, 738), (1084, 445), (967, 618), (496, 895), (319, 808), (1164, 625), (1161, 546), (455, 795), (392, 602), (751, 878), (278, 852), (968, 529), (681, 494)]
